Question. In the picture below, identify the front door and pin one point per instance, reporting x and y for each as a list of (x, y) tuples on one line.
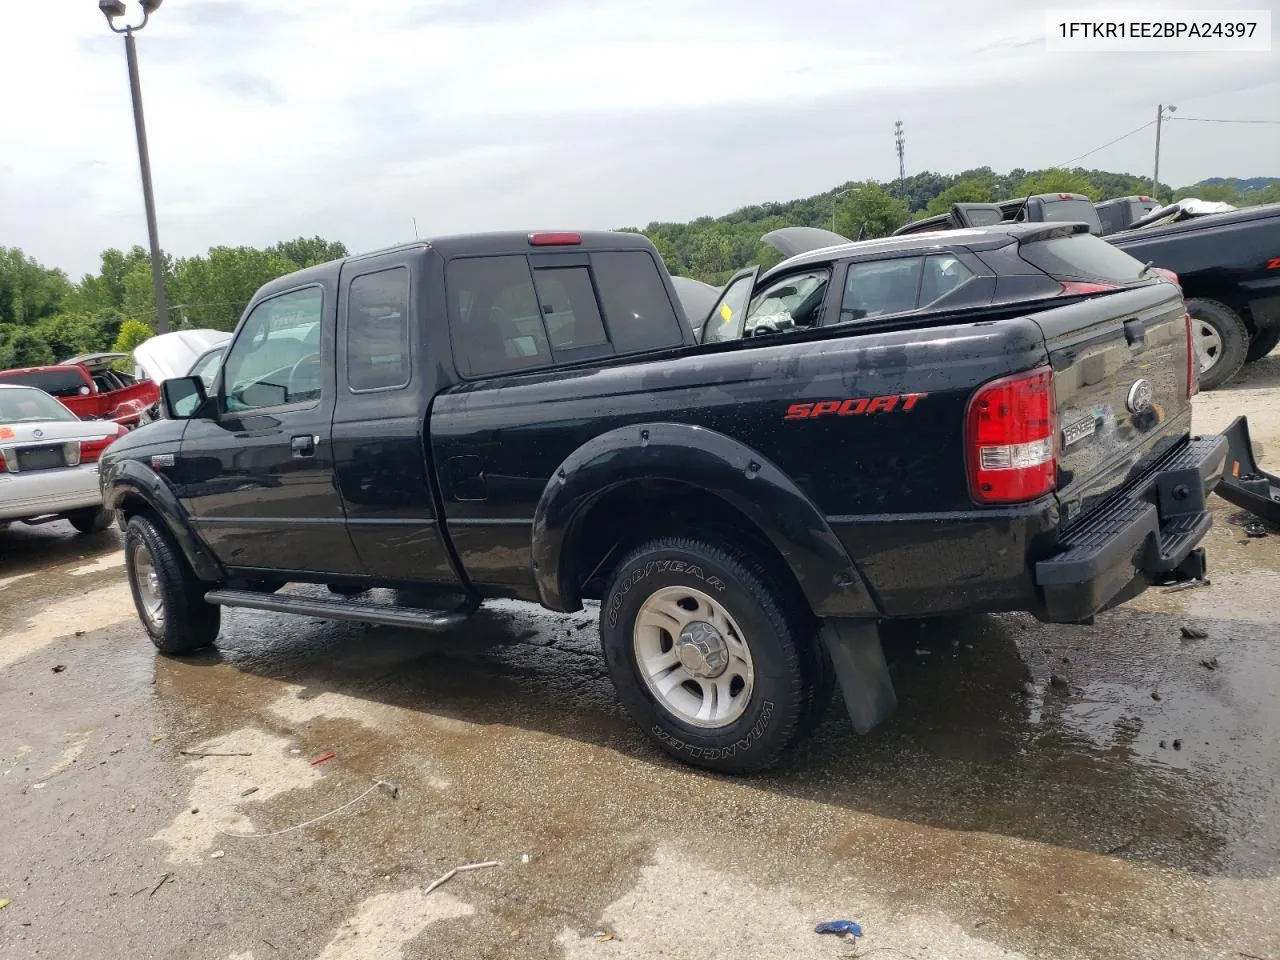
[(258, 478)]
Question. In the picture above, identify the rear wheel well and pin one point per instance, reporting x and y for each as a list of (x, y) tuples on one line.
[(630, 514), (1228, 294)]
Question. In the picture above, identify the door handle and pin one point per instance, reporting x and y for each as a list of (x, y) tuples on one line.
[(304, 446)]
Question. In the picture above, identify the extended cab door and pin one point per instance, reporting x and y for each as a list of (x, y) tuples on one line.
[(385, 385), (258, 476)]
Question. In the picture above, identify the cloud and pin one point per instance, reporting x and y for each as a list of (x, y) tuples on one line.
[(285, 117)]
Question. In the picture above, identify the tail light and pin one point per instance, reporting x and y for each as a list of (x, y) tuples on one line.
[(91, 450), (1012, 430), (1193, 365), (555, 239), (4, 467), (1076, 288)]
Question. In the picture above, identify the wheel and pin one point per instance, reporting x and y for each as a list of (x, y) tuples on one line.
[(1222, 341), (719, 666), (1262, 344), (168, 597), (93, 520)]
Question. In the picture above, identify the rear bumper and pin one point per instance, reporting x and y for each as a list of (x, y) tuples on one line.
[(24, 496), (1149, 533)]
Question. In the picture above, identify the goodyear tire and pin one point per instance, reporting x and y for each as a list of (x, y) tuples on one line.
[(1262, 344), (720, 667), (1222, 341), (166, 593)]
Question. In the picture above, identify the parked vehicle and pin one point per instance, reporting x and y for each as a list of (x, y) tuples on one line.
[(175, 354), (1123, 212), (984, 420), (206, 365), (91, 389), (49, 461), (1228, 264)]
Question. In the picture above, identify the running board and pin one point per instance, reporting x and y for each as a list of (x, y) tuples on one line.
[(413, 618)]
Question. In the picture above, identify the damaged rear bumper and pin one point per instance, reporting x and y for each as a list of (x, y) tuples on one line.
[(1150, 533), (1244, 483)]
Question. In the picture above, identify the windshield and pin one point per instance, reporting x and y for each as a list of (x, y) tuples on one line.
[(60, 382), (27, 405)]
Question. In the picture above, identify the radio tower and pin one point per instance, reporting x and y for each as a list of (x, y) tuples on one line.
[(900, 139)]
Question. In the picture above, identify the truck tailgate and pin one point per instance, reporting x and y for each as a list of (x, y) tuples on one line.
[(1121, 388)]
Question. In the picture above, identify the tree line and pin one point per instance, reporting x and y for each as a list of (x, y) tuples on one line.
[(45, 317)]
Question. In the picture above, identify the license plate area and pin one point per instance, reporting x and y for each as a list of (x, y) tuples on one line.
[(41, 458)]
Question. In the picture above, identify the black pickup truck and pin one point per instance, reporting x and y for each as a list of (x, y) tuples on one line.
[(989, 420), (1228, 265)]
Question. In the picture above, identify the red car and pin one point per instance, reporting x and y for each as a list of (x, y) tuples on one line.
[(89, 388)]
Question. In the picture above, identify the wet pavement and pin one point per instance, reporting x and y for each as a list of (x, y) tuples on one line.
[(1043, 791)]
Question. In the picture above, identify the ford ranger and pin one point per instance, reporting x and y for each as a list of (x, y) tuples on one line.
[(981, 420)]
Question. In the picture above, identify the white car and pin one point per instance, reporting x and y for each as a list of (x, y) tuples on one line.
[(49, 461)]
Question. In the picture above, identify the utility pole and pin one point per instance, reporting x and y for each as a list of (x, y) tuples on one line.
[(112, 9), (901, 141), (1155, 176)]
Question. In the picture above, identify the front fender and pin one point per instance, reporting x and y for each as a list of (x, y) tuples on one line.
[(718, 465), (125, 479)]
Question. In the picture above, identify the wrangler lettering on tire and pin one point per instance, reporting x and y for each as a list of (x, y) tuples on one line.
[(715, 661)]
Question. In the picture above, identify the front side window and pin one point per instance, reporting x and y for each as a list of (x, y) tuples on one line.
[(726, 320), (275, 360), (880, 287), (378, 330), (787, 304)]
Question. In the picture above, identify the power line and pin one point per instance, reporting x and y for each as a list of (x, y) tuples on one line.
[(1208, 120), (1107, 144)]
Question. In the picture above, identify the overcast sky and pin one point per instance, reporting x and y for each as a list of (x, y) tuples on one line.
[(271, 119)]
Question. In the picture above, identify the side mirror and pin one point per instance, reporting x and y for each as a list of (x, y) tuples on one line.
[(183, 397)]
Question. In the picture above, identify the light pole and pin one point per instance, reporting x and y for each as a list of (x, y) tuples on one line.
[(111, 9), (1155, 176)]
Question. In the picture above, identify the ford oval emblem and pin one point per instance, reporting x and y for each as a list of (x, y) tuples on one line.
[(1140, 395)]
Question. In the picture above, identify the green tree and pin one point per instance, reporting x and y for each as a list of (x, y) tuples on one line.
[(132, 333), (29, 291), (1220, 192), (23, 347), (870, 204), (69, 334), (212, 291), (963, 191), (307, 252), (1057, 180)]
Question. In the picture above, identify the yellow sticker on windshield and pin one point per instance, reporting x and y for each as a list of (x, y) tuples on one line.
[(726, 313)]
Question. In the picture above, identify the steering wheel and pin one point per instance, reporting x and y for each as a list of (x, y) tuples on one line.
[(293, 371)]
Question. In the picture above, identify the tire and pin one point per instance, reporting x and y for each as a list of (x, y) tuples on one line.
[(1262, 344), (1219, 330), (763, 645), (93, 520), (168, 597)]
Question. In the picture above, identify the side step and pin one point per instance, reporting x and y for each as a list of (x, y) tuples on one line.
[(413, 618)]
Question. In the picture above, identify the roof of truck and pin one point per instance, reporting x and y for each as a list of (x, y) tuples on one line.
[(477, 244)]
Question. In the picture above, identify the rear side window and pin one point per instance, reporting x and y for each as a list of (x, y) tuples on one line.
[(636, 304), (1081, 257), (59, 383), (880, 287), (942, 274), (378, 330)]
